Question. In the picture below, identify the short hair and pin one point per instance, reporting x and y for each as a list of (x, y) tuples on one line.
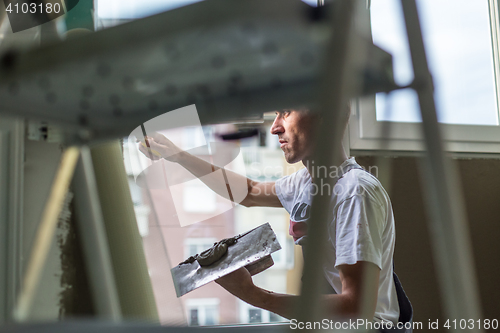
[(346, 114), (300, 109)]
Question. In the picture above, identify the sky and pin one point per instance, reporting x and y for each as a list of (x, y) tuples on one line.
[(458, 44)]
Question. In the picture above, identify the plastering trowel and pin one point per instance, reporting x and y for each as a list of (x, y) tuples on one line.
[(251, 249)]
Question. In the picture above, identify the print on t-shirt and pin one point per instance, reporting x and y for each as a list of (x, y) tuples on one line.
[(298, 218)]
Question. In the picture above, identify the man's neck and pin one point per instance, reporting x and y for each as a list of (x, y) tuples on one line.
[(310, 164)]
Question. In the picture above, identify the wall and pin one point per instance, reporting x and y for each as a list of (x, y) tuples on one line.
[(40, 166), (413, 258), (63, 289)]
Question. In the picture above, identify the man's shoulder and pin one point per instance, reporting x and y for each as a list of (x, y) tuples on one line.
[(360, 182), (293, 182)]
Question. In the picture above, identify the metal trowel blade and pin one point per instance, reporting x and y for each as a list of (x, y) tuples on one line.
[(250, 250)]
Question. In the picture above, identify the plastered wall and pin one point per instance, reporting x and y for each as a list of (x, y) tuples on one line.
[(413, 258)]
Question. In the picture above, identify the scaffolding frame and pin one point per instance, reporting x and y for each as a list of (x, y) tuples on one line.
[(447, 225)]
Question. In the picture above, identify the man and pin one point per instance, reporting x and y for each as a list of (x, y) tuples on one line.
[(361, 226)]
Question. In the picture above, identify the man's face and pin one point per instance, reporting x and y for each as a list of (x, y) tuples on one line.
[(294, 130)]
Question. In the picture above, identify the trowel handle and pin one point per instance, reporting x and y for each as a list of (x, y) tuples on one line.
[(261, 265)]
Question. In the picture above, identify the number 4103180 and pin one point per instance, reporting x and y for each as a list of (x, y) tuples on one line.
[(471, 324), (34, 8)]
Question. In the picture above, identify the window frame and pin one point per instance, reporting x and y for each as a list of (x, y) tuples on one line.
[(366, 134)]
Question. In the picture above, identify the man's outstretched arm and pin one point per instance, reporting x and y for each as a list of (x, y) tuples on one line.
[(347, 304), (259, 193)]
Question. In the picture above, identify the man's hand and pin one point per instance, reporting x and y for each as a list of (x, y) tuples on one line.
[(163, 146), (239, 283)]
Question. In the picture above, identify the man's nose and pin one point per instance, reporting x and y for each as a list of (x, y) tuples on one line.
[(277, 126)]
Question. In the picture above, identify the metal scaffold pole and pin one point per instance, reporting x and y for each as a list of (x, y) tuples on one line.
[(94, 240), (446, 209), (338, 85)]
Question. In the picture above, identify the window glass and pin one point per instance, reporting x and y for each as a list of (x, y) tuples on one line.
[(211, 315), (458, 42), (193, 317), (273, 317), (203, 311), (197, 245), (255, 315), (250, 314)]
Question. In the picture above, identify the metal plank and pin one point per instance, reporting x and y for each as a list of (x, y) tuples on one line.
[(338, 86), (11, 189), (447, 216), (233, 59), (93, 239)]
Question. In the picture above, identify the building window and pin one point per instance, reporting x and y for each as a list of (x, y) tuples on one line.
[(255, 315), (273, 317), (193, 317), (252, 315), (202, 311), (194, 246)]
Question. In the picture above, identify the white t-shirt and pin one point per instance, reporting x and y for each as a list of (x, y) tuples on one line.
[(361, 227)]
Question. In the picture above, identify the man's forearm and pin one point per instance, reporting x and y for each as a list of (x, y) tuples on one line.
[(285, 305), (240, 284), (217, 181), (281, 304)]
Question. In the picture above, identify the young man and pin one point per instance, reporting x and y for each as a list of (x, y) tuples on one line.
[(361, 226)]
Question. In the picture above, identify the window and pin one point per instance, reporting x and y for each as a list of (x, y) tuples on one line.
[(194, 246), (255, 315), (202, 311), (252, 315), (462, 49)]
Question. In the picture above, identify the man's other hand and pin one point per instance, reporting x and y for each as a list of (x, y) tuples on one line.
[(160, 147), (239, 283)]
